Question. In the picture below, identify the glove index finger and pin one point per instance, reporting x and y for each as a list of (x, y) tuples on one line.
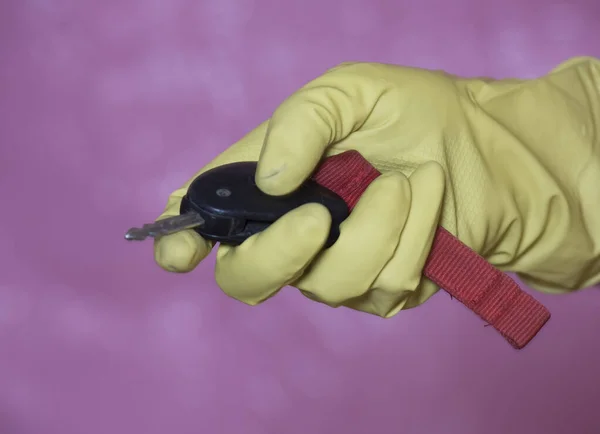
[(325, 111)]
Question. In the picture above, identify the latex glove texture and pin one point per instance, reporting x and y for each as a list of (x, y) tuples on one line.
[(511, 167)]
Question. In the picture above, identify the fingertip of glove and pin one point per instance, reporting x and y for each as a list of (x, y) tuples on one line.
[(287, 159), (395, 181), (180, 252), (272, 179), (434, 170), (430, 179), (306, 228), (313, 217)]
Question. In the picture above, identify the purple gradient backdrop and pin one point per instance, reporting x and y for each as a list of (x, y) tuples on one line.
[(107, 106)]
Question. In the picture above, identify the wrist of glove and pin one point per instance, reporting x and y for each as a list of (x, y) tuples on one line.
[(510, 167)]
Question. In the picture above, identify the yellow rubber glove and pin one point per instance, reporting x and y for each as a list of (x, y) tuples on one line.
[(511, 167)]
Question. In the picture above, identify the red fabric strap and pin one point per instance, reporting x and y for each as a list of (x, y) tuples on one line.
[(453, 266)]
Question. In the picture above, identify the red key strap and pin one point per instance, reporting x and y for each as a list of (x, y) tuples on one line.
[(452, 265)]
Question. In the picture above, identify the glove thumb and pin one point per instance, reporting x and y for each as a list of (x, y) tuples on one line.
[(325, 111)]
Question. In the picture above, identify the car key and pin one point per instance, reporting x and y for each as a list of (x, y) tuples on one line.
[(225, 205), (165, 226)]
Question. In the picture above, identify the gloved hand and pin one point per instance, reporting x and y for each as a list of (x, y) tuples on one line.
[(510, 167)]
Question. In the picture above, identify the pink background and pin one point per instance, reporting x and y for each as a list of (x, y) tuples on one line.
[(107, 106)]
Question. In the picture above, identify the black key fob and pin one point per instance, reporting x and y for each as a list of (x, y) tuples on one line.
[(234, 208)]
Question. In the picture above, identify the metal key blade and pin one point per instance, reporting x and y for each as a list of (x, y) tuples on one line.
[(165, 226)]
